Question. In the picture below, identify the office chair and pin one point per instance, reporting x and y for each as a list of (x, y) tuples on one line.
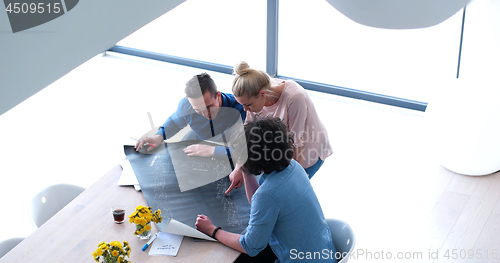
[(343, 238), (8, 244), (50, 200)]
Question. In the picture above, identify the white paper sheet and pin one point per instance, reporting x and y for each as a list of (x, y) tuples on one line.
[(128, 176), (178, 228), (166, 244)]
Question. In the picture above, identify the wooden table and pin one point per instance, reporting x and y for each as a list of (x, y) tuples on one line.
[(73, 233)]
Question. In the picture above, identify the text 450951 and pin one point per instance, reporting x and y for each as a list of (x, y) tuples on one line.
[(471, 253), (32, 8)]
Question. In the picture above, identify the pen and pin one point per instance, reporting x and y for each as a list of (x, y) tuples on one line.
[(149, 242), (146, 144)]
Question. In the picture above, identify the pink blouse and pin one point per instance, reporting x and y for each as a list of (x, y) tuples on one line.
[(296, 110)]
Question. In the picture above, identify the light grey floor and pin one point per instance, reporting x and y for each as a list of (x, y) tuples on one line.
[(382, 177)]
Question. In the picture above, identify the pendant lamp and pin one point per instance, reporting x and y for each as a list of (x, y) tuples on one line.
[(398, 14)]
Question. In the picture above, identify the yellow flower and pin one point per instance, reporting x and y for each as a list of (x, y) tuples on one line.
[(147, 227), (137, 221), (148, 218), (116, 244), (112, 251)]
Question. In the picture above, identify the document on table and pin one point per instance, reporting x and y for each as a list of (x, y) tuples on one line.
[(128, 176), (165, 244)]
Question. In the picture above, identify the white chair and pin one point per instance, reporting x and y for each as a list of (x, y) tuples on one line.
[(343, 238), (8, 244), (50, 200)]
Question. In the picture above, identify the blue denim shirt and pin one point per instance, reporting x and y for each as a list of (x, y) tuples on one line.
[(185, 115), (286, 213)]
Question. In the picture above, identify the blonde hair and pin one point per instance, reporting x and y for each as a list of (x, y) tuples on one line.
[(249, 81)]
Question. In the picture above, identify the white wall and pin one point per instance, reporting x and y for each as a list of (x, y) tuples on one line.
[(32, 59)]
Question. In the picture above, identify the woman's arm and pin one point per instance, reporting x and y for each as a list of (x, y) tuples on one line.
[(298, 155), (297, 115), (251, 185), (236, 178)]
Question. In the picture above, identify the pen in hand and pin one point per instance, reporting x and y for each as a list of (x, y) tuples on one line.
[(149, 242), (146, 144)]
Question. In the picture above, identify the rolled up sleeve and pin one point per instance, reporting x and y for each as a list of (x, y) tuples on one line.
[(263, 215)]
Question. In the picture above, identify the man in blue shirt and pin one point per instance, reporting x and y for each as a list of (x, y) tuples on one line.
[(285, 213), (209, 113)]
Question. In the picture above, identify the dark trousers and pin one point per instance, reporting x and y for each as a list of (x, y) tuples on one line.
[(266, 255)]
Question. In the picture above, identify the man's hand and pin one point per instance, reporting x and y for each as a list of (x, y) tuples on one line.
[(204, 224), (236, 178), (154, 140), (199, 150)]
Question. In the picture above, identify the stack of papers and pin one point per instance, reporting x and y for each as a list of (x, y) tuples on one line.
[(128, 176), (165, 244)]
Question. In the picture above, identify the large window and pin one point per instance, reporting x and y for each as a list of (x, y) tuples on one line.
[(318, 43), (216, 31)]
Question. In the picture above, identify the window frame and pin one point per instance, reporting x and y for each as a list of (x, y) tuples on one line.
[(272, 66)]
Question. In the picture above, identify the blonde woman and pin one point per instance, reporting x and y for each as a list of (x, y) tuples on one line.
[(262, 96)]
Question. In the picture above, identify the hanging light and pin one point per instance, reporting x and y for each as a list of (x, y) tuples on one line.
[(398, 14)]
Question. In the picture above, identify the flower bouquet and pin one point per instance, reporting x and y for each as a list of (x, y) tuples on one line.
[(142, 218), (112, 252)]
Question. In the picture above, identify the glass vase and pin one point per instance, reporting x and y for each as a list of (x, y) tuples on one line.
[(110, 260), (145, 234)]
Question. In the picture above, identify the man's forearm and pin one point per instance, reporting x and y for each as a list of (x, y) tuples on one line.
[(229, 239)]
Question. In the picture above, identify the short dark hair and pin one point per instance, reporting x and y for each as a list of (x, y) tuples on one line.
[(270, 146), (201, 81)]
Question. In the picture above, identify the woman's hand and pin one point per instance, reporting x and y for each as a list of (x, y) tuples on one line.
[(204, 224), (236, 178), (153, 142), (199, 150)]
